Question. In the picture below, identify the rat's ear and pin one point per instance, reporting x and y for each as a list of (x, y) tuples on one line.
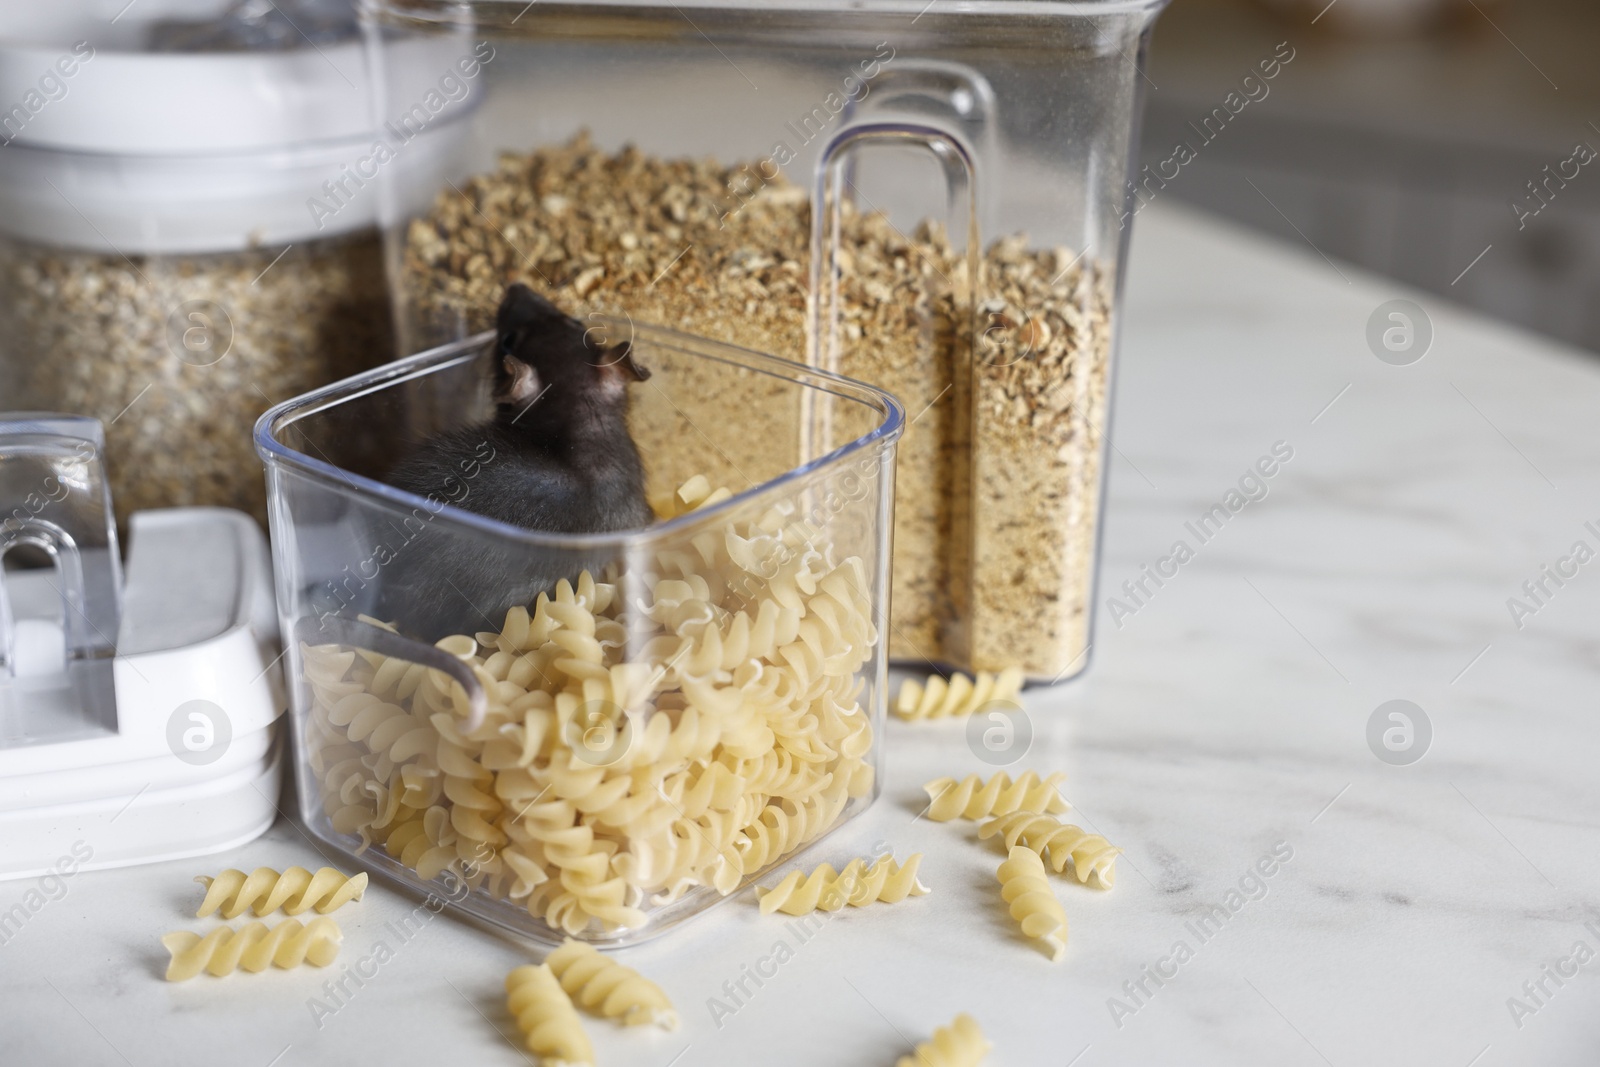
[(618, 359), (515, 382)]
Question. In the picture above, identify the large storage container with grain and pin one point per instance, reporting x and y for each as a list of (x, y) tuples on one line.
[(187, 230), (928, 197)]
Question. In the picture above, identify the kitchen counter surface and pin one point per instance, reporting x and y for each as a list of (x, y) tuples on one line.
[(1223, 730)]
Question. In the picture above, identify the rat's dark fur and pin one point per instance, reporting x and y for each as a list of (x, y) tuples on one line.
[(556, 457)]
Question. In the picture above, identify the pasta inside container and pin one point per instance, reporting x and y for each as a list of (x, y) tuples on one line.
[(692, 703)]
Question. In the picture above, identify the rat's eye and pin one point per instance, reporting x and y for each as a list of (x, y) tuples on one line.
[(510, 341)]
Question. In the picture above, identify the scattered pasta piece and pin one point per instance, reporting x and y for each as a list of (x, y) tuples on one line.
[(252, 947), (1093, 858), (939, 699), (547, 1019), (961, 1044), (264, 889), (604, 987), (972, 798), (857, 885), (1023, 886)]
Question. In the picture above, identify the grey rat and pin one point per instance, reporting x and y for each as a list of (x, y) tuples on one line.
[(556, 457)]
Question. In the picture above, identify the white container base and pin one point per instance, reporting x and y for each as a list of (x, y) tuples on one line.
[(187, 762), (146, 827)]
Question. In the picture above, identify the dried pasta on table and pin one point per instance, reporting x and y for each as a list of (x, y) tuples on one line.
[(265, 891), (604, 987), (960, 696), (1024, 887), (1093, 858), (252, 947), (549, 1023), (973, 798), (858, 885), (960, 1044)]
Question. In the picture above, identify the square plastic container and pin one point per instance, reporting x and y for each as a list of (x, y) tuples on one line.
[(931, 197), (693, 703)]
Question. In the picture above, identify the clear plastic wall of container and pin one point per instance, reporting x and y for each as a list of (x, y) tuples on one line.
[(187, 226), (587, 735), (60, 582), (933, 198)]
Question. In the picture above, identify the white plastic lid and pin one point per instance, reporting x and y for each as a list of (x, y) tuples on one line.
[(182, 104), (114, 149)]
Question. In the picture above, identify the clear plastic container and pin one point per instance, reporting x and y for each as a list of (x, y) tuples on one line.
[(932, 197), (700, 701)]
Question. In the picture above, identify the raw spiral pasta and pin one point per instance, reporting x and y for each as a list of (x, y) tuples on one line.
[(940, 699), (252, 947), (825, 889), (679, 725), (265, 891), (426, 842), (548, 1021), (1093, 858), (605, 987), (1024, 887), (973, 798), (961, 1044), (784, 826)]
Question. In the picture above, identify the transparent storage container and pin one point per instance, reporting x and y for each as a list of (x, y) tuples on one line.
[(932, 197), (187, 232), (694, 702)]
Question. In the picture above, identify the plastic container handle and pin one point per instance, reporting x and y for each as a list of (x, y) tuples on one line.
[(828, 201), (58, 544), (53, 497), (355, 633), (952, 96), (824, 342)]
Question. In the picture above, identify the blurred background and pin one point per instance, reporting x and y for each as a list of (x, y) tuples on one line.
[(1402, 137)]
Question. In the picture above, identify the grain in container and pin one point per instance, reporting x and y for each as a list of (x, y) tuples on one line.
[(932, 197), (187, 231), (690, 704)]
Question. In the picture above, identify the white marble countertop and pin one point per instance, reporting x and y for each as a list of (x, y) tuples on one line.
[(1227, 715)]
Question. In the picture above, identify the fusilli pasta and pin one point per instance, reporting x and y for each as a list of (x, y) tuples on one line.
[(961, 1044), (683, 724), (265, 891), (1024, 887), (1093, 858), (252, 947), (825, 889), (545, 1015), (605, 987), (937, 698), (972, 798)]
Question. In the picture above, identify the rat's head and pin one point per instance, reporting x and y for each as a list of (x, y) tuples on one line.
[(545, 353)]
